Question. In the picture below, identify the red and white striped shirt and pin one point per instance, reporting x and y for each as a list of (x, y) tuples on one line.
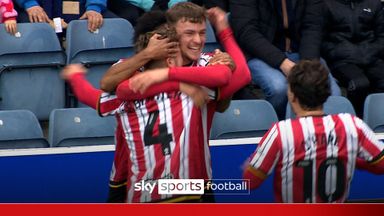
[(165, 134), (166, 137), (315, 157)]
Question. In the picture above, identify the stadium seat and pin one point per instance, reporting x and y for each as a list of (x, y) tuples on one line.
[(112, 42), (211, 43), (373, 112), (333, 105), (243, 119), (20, 129), (80, 127), (29, 70), (99, 50)]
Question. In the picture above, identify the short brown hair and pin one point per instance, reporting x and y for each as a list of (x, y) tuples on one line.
[(186, 11), (164, 30), (309, 82)]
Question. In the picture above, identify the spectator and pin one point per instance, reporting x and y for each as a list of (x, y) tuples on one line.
[(8, 16), (45, 10), (315, 154), (270, 33), (352, 41), (131, 10)]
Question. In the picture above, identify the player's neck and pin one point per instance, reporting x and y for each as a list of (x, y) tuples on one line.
[(305, 113), (187, 62)]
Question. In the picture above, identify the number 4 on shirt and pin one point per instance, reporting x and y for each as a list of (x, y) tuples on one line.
[(164, 138)]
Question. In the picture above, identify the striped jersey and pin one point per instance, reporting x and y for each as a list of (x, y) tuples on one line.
[(166, 138), (314, 158)]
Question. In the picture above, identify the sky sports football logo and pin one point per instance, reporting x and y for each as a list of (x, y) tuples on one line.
[(195, 186)]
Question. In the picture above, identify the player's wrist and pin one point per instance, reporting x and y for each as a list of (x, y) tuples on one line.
[(147, 55), (221, 27), (75, 75)]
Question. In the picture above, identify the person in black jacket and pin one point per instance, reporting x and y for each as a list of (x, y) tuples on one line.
[(352, 40), (270, 33)]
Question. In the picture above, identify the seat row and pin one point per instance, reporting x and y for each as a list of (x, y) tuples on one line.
[(32, 60), (82, 126), (253, 118), (67, 127)]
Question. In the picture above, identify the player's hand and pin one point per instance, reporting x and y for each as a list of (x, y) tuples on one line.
[(95, 20), (142, 81), (198, 94), (286, 66), (11, 26), (222, 58), (218, 18), (72, 69), (37, 14), (161, 48)]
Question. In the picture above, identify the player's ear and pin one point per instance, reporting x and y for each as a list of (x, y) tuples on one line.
[(291, 96), (171, 62)]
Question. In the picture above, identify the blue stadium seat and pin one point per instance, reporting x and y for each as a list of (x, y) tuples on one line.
[(113, 41), (29, 70), (373, 112), (243, 119), (211, 43), (333, 105), (20, 129), (80, 127), (98, 51)]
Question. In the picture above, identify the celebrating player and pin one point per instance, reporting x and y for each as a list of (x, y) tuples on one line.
[(191, 137), (140, 153), (314, 155)]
